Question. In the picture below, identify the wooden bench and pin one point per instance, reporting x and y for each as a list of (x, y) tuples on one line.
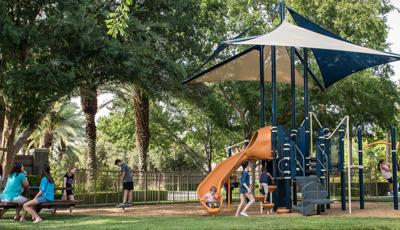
[(54, 205)]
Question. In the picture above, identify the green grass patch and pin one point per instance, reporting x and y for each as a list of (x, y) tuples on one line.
[(267, 222)]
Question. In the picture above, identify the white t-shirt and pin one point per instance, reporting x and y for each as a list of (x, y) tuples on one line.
[(386, 173)]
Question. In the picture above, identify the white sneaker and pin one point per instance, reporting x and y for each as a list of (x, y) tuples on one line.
[(37, 221), (243, 214)]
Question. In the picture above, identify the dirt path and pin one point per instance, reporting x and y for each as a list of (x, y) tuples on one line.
[(379, 209)]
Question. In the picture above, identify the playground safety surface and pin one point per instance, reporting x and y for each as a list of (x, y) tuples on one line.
[(372, 209)]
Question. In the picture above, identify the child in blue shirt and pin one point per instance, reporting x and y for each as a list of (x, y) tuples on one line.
[(265, 179), (45, 194), (245, 191), (16, 182)]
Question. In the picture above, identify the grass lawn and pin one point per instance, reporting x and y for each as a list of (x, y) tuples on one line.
[(107, 222)]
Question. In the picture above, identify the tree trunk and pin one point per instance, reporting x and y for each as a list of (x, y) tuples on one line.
[(62, 148), (7, 143), (209, 146), (142, 130), (89, 107), (48, 137)]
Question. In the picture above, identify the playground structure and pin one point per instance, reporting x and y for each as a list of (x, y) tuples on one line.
[(259, 144), (297, 165)]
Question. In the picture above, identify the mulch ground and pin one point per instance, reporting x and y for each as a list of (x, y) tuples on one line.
[(372, 209)]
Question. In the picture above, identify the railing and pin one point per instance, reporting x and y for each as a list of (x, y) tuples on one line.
[(149, 187), (304, 160), (375, 186)]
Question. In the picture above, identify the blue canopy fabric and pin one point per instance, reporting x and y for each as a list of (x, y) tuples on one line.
[(335, 64)]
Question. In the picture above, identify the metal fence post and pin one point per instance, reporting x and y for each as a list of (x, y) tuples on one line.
[(394, 168), (187, 183), (145, 187), (173, 187)]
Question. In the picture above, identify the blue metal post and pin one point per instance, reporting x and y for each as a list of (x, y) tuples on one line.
[(262, 90), (360, 167), (394, 168), (286, 173), (293, 94), (341, 168), (293, 133), (274, 121), (329, 165), (306, 117), (282, 10)]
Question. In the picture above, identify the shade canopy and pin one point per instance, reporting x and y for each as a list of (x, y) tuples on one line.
[(245, 66), (336, 57), (335, 65)]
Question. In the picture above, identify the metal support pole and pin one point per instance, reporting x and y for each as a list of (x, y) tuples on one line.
[(282, 10), (341, 168), (229, 192), (306, 117), (262, 89), (394, 168), (360, 167), (293, 134), (293, 92), (287, 174), (274, 121)]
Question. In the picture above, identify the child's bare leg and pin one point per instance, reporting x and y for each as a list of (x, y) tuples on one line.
[(17, 213), (265, 186), (242, 202), (391, 187), (125, 197), (130, 196), (28, 208), (251, 201)]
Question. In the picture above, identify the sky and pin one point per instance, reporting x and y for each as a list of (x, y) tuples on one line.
[(394, 37)]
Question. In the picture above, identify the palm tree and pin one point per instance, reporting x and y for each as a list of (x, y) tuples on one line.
[(89, 108), (59, 129), (135, 97)]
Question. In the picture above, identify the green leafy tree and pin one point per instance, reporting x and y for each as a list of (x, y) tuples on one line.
[(60, 128)]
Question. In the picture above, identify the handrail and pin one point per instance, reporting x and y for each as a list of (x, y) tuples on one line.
[(326, 159), (234, 145), (316, 118), (298, 163), (304, 159)]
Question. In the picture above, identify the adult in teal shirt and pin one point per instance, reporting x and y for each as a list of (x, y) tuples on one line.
[(45, 194), (15, 183)]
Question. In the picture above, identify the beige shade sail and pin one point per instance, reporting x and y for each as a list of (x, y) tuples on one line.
[(246, 67)]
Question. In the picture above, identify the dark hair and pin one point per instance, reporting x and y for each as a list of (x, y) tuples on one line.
[(245, 164), (117, 161), (379, 164), (213, 188), (264, 168), (17, 168), (46, 173), (1, 171)]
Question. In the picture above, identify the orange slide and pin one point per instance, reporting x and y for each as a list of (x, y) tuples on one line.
[(259, 148)]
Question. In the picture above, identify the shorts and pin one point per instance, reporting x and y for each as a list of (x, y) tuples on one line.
[(18, 200), (69, 192), (42, 200), (127, 185), (390, 180)]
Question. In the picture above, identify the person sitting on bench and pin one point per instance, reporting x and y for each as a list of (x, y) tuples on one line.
[(13, 191), (45, 194)]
